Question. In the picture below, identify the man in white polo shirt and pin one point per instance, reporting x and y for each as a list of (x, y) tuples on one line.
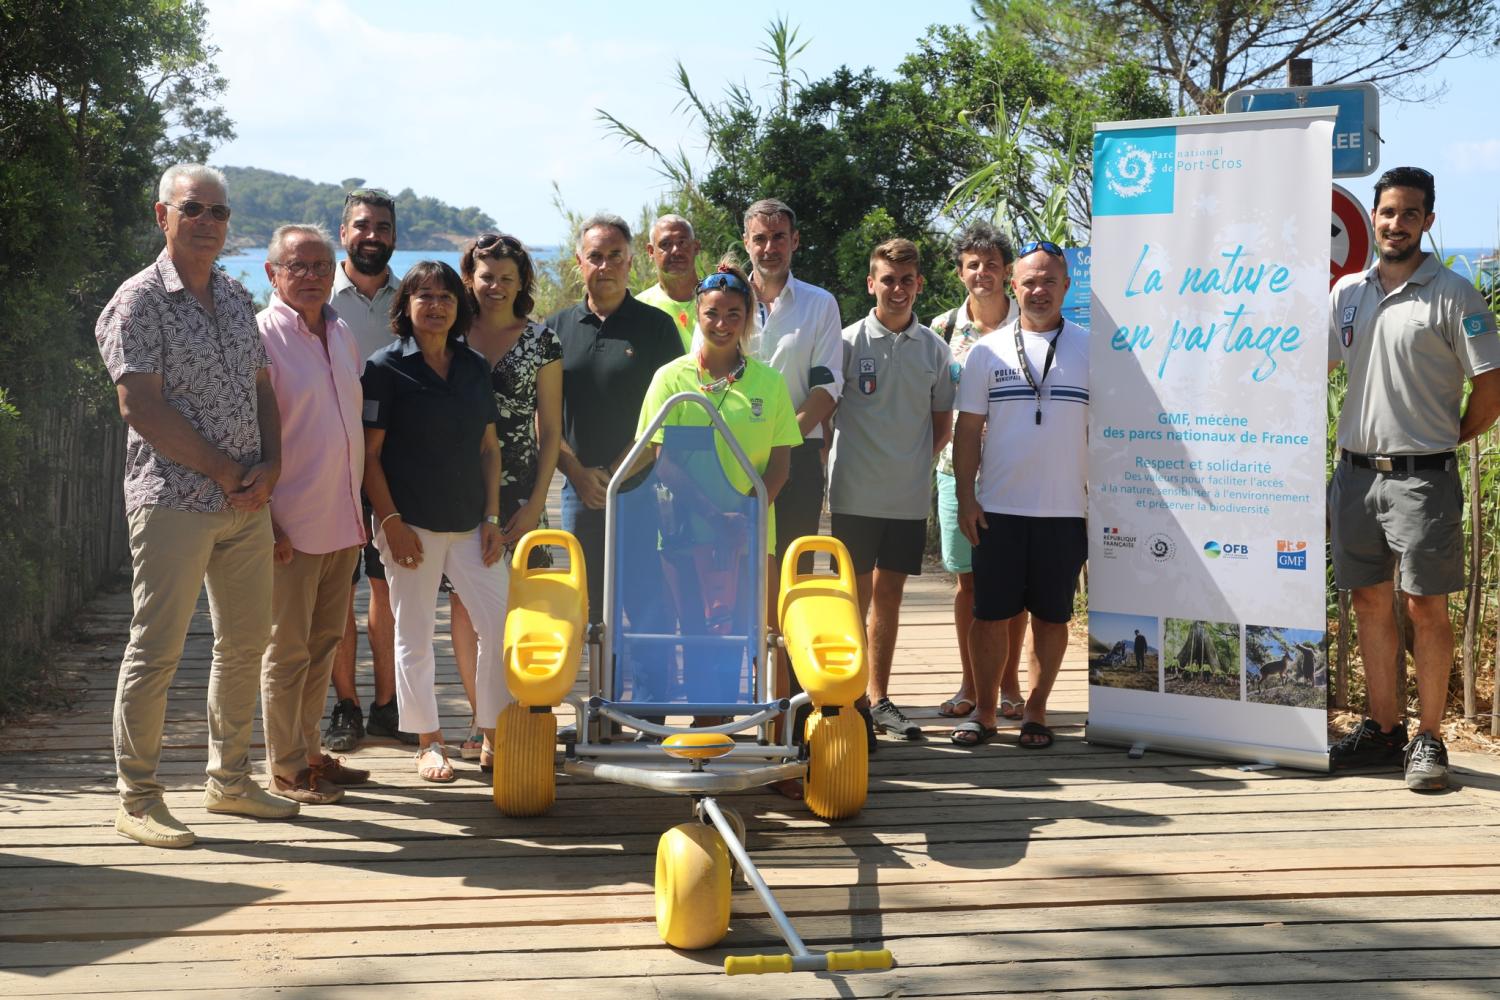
[(1411, 333), (895, 418), (1029, 382)]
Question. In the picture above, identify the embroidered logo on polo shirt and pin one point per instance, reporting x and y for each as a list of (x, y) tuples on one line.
[(1347, 335), (757, 408), (955, 370), (867, 376), (1478, 324), (1349, 314)]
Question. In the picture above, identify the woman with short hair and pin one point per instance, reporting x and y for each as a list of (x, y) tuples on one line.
[(432, 473)]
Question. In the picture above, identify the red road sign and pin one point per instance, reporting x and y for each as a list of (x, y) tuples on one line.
[(1353, 236)]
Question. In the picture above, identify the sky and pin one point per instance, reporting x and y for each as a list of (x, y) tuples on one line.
[(490, 104)]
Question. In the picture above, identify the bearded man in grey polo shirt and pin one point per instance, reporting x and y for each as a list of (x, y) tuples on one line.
[(894, 419), (1411, 332)]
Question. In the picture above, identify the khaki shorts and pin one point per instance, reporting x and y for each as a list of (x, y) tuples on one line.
[(1382, 520)]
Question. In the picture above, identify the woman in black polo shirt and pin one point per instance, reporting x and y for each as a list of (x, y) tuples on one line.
[(432, 473)]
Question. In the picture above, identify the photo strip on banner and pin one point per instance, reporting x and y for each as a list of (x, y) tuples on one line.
[(1207, 434)]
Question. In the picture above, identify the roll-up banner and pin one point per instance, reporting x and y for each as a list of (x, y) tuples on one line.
[(1208, 367)]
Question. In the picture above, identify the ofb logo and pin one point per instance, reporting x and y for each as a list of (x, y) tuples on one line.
[(1228, 550), (1133, 171), (1161, 547), (1291, 555)]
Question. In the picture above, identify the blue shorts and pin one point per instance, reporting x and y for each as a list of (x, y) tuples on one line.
[(958, 554)]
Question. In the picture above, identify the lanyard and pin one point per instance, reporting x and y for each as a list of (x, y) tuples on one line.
[(1036, 384)]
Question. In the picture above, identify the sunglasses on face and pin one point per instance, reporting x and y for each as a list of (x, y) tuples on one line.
[(1045, 246), (720, 281), (299, 269), (193, 209)]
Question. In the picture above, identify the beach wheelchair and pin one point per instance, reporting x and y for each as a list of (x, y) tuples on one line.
[(680, 687)]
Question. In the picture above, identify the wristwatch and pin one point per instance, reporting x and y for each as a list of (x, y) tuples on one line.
[(493, 519)]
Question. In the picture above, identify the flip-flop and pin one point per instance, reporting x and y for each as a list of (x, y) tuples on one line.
[(1040, 734), (971, 734), (949, 708), (472, 745), (1012, 709)]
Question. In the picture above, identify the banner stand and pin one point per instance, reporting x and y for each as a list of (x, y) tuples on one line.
[(1236, 751)]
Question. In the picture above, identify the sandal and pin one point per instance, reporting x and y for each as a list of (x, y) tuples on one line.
[(486, 757), (472, 745), (950, 709), (1040, 736), (1012, 709), (972, 734), (439, 774)]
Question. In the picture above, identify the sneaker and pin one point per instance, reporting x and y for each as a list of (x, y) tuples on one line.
[(254, 801), (383, 722), (1367, 746), (336, 771), (346, 726), (889, 719), (155, 827), (1426, 764), (309, 787)]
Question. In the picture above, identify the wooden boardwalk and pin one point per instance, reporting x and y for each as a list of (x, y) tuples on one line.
[(1075, 871)]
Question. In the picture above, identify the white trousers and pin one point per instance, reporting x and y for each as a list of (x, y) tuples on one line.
[(414, 594)]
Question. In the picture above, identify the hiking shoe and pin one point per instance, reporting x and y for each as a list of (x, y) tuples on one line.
[(346, 726), (155, 827), (309, 787), (254, 801), (1367, 746), (1426, 764), (890, 719), (383, 722)]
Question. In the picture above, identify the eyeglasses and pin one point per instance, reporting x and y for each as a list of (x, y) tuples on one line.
[(371, 196), (298, 269), (491, 239), (193, 209), (722, 280), (1045, 246)]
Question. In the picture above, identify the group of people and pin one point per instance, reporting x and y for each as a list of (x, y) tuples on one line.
[(410, 428)]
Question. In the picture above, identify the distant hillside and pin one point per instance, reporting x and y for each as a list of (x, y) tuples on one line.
[(264, 199)]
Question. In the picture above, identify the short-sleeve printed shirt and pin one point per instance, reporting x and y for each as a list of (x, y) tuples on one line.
[(208, 365), (514, 380), (1408, 354)]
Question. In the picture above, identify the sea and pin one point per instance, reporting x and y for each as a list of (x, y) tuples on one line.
[(248, 267)]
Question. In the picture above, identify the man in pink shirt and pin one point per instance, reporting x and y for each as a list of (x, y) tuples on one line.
[(315, 510)]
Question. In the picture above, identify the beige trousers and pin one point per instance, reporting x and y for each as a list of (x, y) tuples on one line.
[(173, 554), (308, 603)]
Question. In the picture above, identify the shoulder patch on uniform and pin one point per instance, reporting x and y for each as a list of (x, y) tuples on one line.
[(955, 370), (1479, 324)]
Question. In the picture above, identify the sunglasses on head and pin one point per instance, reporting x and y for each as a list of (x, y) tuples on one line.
[(370, 196), (722, 280), (489, 240), (1045, 246), (193, 209)]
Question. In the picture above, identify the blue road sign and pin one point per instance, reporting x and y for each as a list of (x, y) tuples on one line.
[(1356, 131)]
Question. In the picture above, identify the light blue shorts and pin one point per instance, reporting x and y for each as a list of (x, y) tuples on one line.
[(958, 554)]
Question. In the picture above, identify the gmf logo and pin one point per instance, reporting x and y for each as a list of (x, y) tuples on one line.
[(1291, 555)]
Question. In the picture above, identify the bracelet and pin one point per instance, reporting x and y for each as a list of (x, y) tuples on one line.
[(387, 518)]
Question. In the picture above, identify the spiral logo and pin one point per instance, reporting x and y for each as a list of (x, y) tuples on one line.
[(1129, 176)]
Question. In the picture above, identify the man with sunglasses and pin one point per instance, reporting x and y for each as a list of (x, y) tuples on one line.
[(363, 289), (674, 250), (1027, 385), (1411, 333), (202, 457)]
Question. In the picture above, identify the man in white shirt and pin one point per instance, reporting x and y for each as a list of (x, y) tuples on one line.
[(1029, 382)]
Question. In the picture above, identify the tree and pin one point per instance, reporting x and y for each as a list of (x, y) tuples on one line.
[(95, 99), (1205, 51)]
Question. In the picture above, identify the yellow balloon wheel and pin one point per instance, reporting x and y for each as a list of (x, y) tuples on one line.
[(838, 766), (525, 780), (692, 886)]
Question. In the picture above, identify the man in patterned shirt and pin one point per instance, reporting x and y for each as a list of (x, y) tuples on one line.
[(202, 456)]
